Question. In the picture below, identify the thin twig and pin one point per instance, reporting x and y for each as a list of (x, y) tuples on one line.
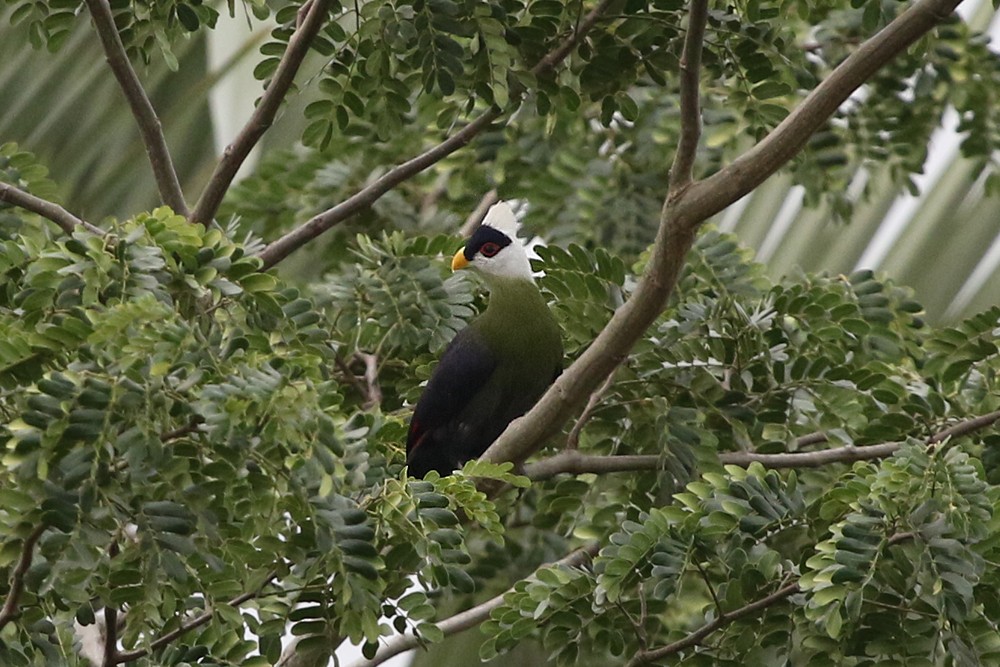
[(690, 108), (361, 200), (551, 60), (711, 588), (349, 374), (573, 462), (142, 109), (48, 210), (964, 427), (197, 621), (468, 618), (295, 239), (898, 538), (573, 439), (695, 638), (640, 632), (10, 607), (643, 657), (901, 609), (373, 392), (370, 390), (181, 431), (846, 454), (263, 116), (643, 616)]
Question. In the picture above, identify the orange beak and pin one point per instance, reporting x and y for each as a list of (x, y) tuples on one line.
[(459, 261)]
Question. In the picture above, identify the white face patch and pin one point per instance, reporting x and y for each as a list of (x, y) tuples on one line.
[(512, 260)]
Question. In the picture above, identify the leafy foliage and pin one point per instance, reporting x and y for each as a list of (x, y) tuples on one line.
[(145, 27), (192, 438), (22, 170), (166, 397), (589, 142)]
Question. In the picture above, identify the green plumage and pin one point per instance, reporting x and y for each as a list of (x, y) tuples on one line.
[(520, 330), (492, 372)]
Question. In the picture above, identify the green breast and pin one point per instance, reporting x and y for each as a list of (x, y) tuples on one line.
[(519, 327)]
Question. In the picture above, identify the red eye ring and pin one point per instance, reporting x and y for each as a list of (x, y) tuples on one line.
[(489, 249)]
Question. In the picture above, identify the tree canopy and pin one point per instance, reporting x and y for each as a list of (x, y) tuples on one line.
[(205, 397)]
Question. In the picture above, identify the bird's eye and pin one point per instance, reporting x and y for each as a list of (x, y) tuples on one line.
[(489, 249)]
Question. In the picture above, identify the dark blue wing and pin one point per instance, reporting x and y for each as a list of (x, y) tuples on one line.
[(464, 370)]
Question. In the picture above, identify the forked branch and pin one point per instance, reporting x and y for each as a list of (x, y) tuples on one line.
[(686, 210), (263, 116), (142, 109)]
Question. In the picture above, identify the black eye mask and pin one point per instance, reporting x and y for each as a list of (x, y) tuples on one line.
[(483, 236)]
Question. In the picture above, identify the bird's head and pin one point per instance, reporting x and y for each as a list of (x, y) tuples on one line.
[(494, 249)]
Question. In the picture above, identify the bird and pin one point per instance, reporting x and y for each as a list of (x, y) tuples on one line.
[(494, 370)]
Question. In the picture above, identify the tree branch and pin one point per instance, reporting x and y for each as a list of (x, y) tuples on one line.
[(690, 108), (110, 637), (574, 463), (111, 619), (373, 392), (10, 608), (350, 376), (725, 618), (816, 459), (370, 390), (142, 109), (693, 639), (48, 210), (571, 461), (263, 116), (469, 618), (197, 621), (684, 213), (573, 439), (553, 58), (181, 431), (745, 173), (964, 427), (295, 239)]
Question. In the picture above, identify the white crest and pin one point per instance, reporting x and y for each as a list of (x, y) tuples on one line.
[(512, 260), (501, 218)]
